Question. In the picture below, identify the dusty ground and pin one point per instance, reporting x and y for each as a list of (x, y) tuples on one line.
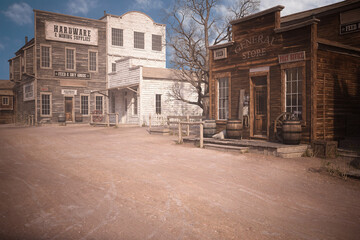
[(81, 182)]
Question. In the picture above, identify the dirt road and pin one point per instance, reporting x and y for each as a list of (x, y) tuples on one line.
[(81, 182)]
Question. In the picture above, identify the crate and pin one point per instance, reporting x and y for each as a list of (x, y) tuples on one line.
[(325, 149)]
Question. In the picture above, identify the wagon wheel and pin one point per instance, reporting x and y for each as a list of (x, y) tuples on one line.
[(97, 116), (279, 121)]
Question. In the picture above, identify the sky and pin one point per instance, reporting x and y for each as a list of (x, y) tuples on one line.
[(17, 17)]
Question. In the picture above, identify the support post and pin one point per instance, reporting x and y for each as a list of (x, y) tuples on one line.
[(201, 135), (91, 118), (188, 125), (116, 119), (180, 140), (150, 121), (108, 120)]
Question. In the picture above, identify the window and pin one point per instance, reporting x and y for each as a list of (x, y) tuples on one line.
[(293, 85), (70, 59), (92, 61), (99, 103), (223, 104), (158, 103), (117, 37), (5, 101), (29, 91), (156, 42), (84, 104), (113, 65), (45, 56), (135, 106), (139, 40), (45, 104)]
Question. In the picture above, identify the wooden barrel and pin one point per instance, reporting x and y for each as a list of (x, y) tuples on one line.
[(209, 128), (78, 117), (220, 125), (61, 117), (234, 129), (291, 130)]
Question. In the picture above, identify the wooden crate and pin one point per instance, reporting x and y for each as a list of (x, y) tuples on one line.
[(325, 149)]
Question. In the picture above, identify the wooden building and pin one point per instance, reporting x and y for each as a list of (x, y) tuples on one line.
[(7, 102), (62, 70), (306, 63)]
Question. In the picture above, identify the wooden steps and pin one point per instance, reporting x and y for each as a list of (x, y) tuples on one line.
[(225, 148)]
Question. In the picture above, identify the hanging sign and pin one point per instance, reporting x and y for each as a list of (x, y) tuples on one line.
[(220, 53), (71, 33), (68, 91)]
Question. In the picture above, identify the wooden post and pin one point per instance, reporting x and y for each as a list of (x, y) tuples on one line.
[(91, 118), (150, 121), (201, 135), (241, 104), (188, 125), (108, 120), (180, 134), (116, 119)]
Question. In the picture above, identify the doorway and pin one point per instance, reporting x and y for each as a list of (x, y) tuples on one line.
[(259, 106), (69, 109)]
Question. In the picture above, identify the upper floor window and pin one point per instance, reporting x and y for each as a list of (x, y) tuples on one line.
[(113, 67), (117, 37), (70, 58), (139, 40), (5, 101), (92, 61), (156, 42), (293, 86), (45, 56)]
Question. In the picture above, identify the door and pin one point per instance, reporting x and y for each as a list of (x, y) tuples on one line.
[(69, 109), (260, 106)]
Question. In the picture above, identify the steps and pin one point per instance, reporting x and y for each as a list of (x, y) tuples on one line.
[(350, 156), (225, 148)]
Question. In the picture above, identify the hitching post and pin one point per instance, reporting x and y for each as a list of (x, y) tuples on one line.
[(188, 125), (180, 134), (201, 135)]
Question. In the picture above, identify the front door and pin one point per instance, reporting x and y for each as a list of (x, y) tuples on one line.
[(68, 108), (260, 106)]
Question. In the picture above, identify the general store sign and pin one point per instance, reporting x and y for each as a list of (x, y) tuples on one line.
[(292, 57), (254, 46), (71, 33), (68, 92), (71, 74)]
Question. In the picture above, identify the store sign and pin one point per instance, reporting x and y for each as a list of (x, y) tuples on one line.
[(68, 92), (255, 46), (349, 28), (29, 91), (71, 33), (292, 57), (71, 74), (220, 53)]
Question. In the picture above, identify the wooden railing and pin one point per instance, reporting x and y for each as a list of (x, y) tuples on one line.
[(103, 119), (180, 138)]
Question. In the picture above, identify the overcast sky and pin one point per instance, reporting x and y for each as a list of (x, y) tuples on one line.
[(17, 19)]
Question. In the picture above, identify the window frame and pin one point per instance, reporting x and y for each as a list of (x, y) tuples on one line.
[(113, 67), (8, 101), (152, 42), (121, 39), (158, 107), (135, 105), (284, 67), (88, 104), (41, 104), (89, 60), (66, 58), (102, 102), (136, 41), (41, 56)]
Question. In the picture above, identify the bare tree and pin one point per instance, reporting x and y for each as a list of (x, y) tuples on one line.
[(194, 25)]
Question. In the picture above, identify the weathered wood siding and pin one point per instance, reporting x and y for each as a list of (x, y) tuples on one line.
[(338, 84)]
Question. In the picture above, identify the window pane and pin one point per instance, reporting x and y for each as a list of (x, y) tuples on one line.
[(92, 58), (113, 65), (294, 91), (70, 59), (117, 37), (45, 104), (85, 105), (139, 40), (158, 103), (45, 56), (156, 42), (223, 100), (99, 103)]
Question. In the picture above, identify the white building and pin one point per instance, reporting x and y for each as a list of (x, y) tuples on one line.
[(139, 83), (136, 35), (136, 92)]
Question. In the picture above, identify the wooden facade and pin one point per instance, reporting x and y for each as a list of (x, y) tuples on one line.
[(306, 63), (6, 102), (62, 71)]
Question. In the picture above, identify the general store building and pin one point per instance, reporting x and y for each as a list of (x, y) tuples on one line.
[(62, 70), (306, 63)]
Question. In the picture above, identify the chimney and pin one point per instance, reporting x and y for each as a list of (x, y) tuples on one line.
[(104, 12), (26, 39)]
